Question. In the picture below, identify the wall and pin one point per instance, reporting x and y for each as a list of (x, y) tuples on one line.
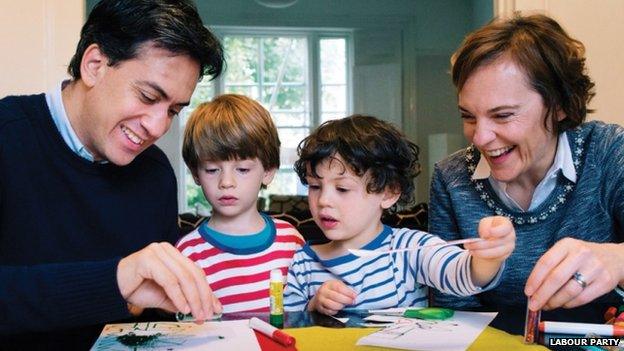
[(438, 29), (38, 38)]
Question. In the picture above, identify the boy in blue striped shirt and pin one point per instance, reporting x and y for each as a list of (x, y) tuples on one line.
[(356, 168)]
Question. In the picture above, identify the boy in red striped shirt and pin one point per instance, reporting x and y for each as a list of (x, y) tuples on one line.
[(231, 147)]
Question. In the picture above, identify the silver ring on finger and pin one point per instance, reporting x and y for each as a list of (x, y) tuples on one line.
[(580, 279)]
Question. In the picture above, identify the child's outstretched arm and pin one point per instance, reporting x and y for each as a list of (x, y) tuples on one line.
[(488, 255), (332, 297)]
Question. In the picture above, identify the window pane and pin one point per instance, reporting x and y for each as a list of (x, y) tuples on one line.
[(195, 200), (285, 182), (241, 55), (290, 139), (334, 98), (290, 119), (204, 91), (287, 56), (333, 61), (288, 98), (250, 91), (333, 115)]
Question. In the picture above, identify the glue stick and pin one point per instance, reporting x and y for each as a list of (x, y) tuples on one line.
[(276, 294)]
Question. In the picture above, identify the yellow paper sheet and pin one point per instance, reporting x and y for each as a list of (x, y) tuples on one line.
[(344, 339)]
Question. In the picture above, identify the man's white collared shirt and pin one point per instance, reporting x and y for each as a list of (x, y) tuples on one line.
[(59, 116)]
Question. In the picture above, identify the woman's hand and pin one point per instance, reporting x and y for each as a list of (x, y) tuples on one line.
[(332, 297), (554, 281)]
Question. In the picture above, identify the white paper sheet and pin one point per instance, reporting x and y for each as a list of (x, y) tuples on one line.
[(342, 320), (380, 321), (222, 336), (395, 311), (456, 333)]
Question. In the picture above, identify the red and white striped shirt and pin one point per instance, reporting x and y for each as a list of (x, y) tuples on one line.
[(240, 277)]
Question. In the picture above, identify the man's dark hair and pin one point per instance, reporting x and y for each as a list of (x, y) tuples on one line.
[(120, 27), (366, 144)]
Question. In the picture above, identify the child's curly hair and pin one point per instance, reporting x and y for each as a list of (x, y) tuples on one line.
[(367, 144)]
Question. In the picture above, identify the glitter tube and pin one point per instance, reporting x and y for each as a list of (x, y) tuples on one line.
[(531, 325)]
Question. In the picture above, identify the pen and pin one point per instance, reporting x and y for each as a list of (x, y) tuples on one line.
[(581, 328), (270, 331)]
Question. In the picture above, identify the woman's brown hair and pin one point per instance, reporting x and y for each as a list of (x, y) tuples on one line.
[(553, 61)]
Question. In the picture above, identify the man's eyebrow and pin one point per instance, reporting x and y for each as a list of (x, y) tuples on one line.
[(161, 92), (156, 87)]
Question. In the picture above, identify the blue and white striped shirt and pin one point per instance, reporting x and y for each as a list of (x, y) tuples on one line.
[(394, 280)]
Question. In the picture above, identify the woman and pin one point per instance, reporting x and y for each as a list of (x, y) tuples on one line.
[(523, 95)]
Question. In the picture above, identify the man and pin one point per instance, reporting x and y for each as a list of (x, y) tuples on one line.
[(82, 185)]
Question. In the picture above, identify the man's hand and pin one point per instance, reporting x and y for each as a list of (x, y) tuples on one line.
[(332, 297), (160, 276)]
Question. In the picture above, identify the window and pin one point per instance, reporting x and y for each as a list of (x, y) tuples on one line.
[(301, 77)]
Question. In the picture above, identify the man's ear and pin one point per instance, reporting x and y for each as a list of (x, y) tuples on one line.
[(390, 197), (268, 176), (93, 65)]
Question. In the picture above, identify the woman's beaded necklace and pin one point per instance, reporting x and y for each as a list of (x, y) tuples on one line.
[(520, 218)]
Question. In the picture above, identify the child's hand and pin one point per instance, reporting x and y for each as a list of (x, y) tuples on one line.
[(500, 239), (488, 255), (332, 297)]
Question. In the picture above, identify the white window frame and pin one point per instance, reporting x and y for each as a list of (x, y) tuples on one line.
[(313, 36)]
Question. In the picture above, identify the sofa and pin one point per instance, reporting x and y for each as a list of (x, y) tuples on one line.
[(294, 209)]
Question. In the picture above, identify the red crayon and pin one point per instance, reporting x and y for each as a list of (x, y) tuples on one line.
[(270, 331)]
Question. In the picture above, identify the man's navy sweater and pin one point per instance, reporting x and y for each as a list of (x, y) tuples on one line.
[(65, 223)]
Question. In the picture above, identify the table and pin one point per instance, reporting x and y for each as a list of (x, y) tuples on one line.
[(319, 332), (315, 331)]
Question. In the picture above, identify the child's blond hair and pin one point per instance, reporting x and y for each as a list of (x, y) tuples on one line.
[(230, 127)]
